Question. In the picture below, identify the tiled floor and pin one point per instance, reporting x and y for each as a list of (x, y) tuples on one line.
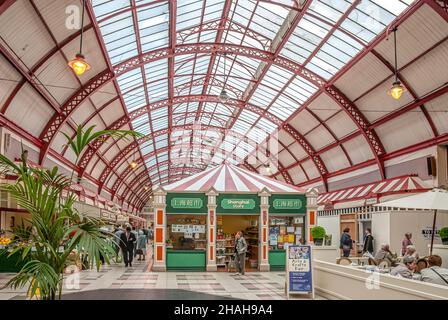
[(253, 285)]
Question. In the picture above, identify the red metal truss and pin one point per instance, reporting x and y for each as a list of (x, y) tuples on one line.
[(135, 145), (88, 155), (64, 112), (106, 76)]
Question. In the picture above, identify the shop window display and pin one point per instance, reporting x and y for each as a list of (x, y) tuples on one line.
[(285, 231), (186, 232)]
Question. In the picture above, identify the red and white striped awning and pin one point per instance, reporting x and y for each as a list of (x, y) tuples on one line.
[(229, 178), (386, 187)]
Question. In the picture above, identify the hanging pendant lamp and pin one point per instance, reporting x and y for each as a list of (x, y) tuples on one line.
[(223, 96), (397, 89), (79, 64)]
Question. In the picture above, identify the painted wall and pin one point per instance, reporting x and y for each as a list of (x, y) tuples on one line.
[(414, 222), (400, 223), (331, 226), (380, 229)]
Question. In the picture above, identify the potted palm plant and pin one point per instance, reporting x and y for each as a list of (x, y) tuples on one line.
[(57, 228), (318, 234), (443, 233)]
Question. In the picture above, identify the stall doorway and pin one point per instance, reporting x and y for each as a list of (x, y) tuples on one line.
[(227, 227)]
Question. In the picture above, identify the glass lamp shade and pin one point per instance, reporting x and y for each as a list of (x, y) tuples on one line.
[(79, 64), (133, 165), (397, 90), (223, 96)]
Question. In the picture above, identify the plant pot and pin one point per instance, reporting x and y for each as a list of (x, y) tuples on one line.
[(318, 242), (445, 241)]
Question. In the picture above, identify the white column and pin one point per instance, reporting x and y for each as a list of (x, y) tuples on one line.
[(263, 246), (159, 230), (311, 213), (211, 230)]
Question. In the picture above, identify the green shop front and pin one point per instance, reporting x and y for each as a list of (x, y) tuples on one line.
[(287, 226), (195, 220)]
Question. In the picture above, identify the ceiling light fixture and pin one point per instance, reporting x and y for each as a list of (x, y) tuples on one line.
[(223, 96), (79, 64), (133, 164), (397, 89)]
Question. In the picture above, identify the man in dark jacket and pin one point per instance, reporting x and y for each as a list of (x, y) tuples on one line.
[(127, 240), (368, 242), (346, 243)]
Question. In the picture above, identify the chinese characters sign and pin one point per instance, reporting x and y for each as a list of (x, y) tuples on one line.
[(287, 204), (186, 203)]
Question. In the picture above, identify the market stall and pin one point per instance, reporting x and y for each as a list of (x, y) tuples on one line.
[(196, 220), (354, 207)]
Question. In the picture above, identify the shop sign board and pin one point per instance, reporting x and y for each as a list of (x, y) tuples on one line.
[(427, 233), (299, 270), (238, 204), (233, 204), (284, 204), (186, 203), (287, 204)]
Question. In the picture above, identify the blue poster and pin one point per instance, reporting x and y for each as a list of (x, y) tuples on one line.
[(299, 269)]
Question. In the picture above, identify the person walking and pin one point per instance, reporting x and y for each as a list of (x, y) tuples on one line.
[(406, 242), (116, 239), (135, 232), (127, 246), (368, 242), (240, 253), (141, 246), (346, 243)]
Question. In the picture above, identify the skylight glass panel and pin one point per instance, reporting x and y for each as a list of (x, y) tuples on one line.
[(257, 134), (283, 107), (140, 120), (103, 8), (153, 24), (266, 125), (263, 96), (213, 10), (147, 149), (248, 116), (119, 37), (156, 70), (268, 18), (158, 90), (135, 99), (188, 13), (160, 123), (329, 10), (143, 129), (130, 80), (206, 36)]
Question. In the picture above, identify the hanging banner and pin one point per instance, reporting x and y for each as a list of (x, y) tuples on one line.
[(299, 270)]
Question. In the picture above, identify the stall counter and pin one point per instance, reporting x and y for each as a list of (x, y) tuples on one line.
[(277, 259), (185, 260)]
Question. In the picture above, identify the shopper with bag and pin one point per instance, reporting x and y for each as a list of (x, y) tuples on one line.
[(240, 253), (346, 243), (141, 246), (368, 243)]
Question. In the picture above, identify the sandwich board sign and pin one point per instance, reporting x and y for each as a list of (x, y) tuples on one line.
[(299, 270)]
